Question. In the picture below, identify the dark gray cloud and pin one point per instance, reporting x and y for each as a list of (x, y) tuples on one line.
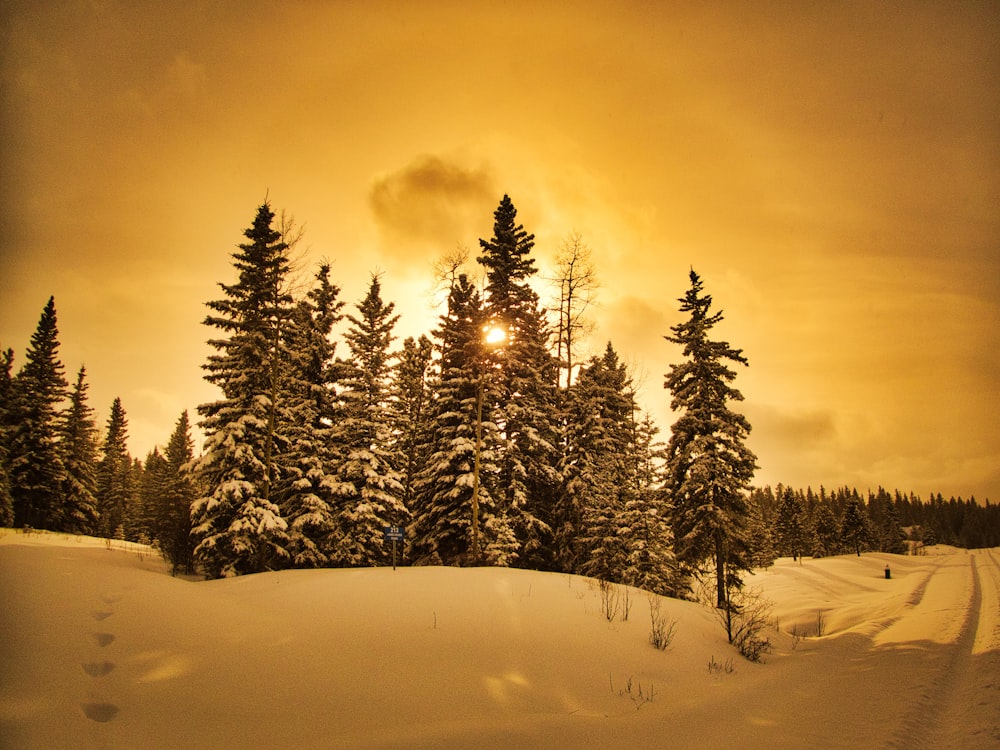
[(432, 201)]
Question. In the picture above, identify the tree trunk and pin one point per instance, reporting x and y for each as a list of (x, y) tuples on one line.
[(722, 600)]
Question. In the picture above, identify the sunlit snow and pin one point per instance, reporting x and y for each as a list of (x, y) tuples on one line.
[(103, 649)]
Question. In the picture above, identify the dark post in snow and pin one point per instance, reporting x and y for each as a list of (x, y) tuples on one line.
[(394, 534)]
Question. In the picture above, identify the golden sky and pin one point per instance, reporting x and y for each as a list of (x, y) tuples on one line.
[(832, 170)]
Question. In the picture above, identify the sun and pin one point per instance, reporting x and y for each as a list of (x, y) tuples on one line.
[(494, 335)]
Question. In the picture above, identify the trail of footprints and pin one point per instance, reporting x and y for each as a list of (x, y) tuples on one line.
[(100, 710)]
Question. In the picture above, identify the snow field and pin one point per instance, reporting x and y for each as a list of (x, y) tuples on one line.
[(102, 648)]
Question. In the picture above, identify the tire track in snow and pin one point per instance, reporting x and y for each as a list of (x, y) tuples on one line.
[(982, 699), (917, 595), (991, 640), (932, 714)]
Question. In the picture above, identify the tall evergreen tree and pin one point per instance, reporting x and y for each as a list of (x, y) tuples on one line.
[(34, 459), (173, 517), (238, 525), (79, 449), (114, 475), (311, 489), (523, 400), (891, 536), (761, 540), (792, 524), (411, 396), (136, 521), (651, 564), (145, 518), (827, 530), (592, 537), (443, 487), (6, 425), (709, 467), (370, 480), (854, 524)]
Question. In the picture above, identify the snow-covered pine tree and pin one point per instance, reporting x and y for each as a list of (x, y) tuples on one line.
[(173, 517), (854, 526), (709, 466), (891, 536), (592, 537), (34, 457), (237, 524), (650, 564), (370, 481), (6, 394), (442, 500), (79, 450), (144, 520), (792, 524), (759, 534), (523, 397), (310, 488), (410, 401), (826, 530), (113, 474)]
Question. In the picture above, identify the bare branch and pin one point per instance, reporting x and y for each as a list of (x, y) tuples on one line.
[(578, 284)]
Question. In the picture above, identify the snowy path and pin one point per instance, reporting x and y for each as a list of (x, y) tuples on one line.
[(934, 718)]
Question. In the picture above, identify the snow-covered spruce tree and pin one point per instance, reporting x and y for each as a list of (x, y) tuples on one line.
[(79, 450), (113, 474), (760, 537), (173, 514), (443, 486), (34, 457), (650, 564), (523, 397), (596, 471), (854, 526), (792, 524), (310, 489), (237, 524), (826, 530), (410, 400), (369, 480), (144, 521), (891, 536), (709, 467), (6, 394)]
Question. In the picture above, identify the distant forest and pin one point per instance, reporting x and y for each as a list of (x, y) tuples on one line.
[(488, 441)]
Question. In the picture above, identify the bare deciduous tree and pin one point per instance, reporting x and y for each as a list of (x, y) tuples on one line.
[(578, 284)]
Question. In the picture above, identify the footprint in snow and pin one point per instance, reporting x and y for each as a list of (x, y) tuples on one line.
[(98, 668), (102, 712)]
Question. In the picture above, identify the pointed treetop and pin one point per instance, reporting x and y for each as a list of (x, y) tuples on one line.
[(506, 255)]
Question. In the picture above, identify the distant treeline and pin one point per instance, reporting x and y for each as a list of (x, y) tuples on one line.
[(845, 520)]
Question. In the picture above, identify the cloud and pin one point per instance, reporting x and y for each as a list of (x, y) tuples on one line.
[(432, 201), (799, 430)]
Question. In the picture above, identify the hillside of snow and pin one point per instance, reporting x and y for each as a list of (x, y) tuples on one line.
[(102, 648)]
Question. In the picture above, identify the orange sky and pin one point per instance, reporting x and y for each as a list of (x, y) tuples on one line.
[(832, 172)]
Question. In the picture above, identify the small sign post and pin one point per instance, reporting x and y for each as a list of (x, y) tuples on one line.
[(394, 534)]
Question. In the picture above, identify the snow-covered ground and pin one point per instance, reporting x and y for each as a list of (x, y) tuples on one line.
[(101, 648)]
